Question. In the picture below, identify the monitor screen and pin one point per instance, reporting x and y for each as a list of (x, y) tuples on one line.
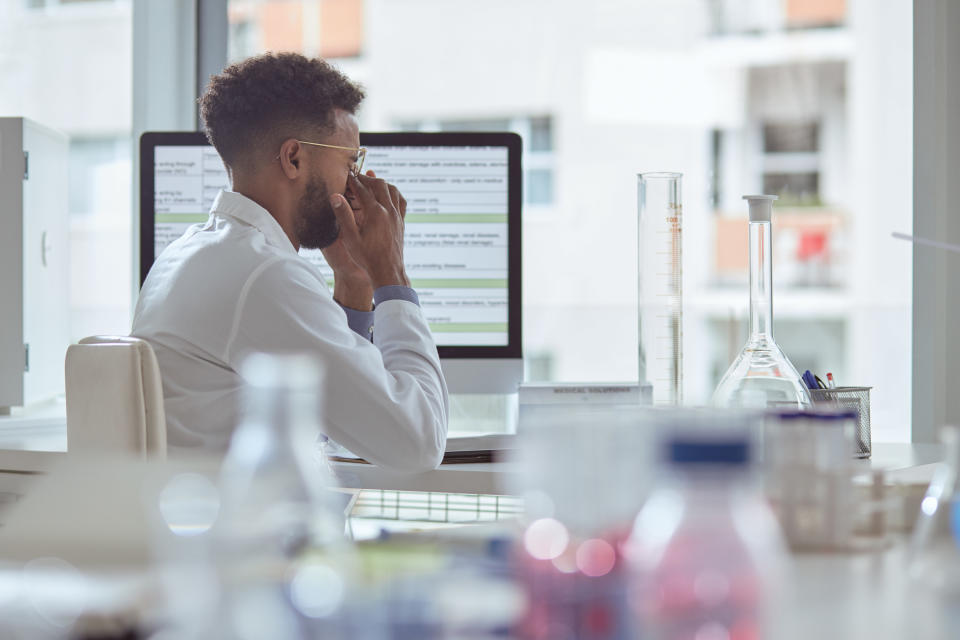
[(461, 234)]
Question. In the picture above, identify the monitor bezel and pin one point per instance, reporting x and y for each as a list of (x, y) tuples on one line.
[(149, 141)]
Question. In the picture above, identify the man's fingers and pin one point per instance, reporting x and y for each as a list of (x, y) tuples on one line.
[(403, 206), (361, 190), (380, 189), (345, 217), (394, 196)]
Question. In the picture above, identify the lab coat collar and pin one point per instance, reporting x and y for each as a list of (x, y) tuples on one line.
[(240, 207)]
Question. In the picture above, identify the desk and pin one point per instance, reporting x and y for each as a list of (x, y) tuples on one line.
[(861, 596), (45, 433)]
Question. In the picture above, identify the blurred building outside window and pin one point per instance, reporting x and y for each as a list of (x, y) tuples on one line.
[(325, 28)]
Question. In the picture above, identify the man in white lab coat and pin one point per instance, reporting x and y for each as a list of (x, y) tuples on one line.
[(284, 126)]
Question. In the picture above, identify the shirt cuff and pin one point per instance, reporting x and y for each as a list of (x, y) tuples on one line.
[(395, 292), (361, 322)]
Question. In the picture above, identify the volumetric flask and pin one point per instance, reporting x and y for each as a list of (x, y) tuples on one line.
[(660, 280), (761, 375)]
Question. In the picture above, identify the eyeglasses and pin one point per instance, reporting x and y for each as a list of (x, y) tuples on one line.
[(357, 164)]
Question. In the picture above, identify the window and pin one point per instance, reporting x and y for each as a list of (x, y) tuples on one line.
[(539, 188), (68, 67), (806, 14), (791, 163), (97, 166), (326, 28), (791, 137), (798, 188), (765, 16)]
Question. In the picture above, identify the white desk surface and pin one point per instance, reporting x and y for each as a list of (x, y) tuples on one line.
[(44, 432), (496, 477), (864, 596)]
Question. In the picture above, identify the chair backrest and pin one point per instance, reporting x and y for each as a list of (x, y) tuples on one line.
[(114, 397)]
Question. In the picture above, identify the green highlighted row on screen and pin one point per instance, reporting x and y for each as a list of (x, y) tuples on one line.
[(181, 217), (456, 217), (459, 283), (468, 327), (491, 283), (411, 218)]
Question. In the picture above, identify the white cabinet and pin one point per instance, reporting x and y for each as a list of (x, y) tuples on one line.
[(34, 291)]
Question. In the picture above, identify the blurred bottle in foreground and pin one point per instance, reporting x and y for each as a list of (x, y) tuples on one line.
[(583, 474), (283, 561), (705, 550)]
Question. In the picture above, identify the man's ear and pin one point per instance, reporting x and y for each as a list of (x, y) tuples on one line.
[(290, 158)]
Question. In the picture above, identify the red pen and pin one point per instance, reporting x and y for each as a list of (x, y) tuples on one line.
[(831, 384)]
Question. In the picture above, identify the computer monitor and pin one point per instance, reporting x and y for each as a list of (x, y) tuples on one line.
[(462, 242)]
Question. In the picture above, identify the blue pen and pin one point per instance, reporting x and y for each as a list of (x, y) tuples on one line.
[(810, 380)]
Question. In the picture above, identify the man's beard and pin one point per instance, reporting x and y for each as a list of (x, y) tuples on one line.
[(316, 225)]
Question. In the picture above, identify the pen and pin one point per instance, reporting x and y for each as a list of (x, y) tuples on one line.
[(831, 383), (820, 383)]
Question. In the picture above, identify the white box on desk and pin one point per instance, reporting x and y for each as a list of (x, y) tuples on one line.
[(584, 392), (34, 262)]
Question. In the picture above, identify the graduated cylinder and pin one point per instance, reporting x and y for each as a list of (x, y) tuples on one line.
[(660, 280)]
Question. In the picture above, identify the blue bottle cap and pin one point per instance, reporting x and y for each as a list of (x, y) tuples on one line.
[(842, 414), (816, 414), (714, 451), (790, 414)]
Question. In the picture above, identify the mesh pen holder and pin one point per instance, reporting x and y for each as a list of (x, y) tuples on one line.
[(856, 398)]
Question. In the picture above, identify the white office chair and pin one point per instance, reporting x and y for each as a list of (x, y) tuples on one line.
[(114, 397)]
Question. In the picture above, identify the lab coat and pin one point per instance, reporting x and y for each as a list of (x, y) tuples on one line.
[(235, 285)]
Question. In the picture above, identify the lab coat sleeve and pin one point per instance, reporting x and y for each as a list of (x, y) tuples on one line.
[(385, 401)]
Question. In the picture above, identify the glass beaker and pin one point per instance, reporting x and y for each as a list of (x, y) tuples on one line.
[(660, 282), (761, 375), (933, 556)]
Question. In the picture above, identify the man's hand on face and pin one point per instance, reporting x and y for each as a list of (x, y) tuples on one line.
[(351, 283), (372, 230)]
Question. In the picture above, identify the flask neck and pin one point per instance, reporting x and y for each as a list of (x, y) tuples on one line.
[(761, 282)]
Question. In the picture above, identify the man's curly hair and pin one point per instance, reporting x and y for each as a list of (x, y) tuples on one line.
[(253, 105)]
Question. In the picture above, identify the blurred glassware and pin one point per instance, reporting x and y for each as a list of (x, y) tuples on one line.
[(761, 375), (660, 281), (583, 472), (934, 551), (705, 552), (809, 476), (284, 563)]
